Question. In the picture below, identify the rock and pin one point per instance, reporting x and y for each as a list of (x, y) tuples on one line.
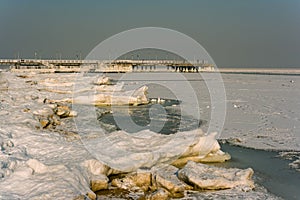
[(26, 110), (99, 182), (44, 122), (44, 116), (80, 197), (140, 179), (50, 121), (91, 195), (160, 194), (50, 115), (55, 120), (63, 111), (207, 177), (166, 177), (51, 109)]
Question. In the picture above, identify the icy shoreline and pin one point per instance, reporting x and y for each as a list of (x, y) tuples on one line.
[(21, 141)]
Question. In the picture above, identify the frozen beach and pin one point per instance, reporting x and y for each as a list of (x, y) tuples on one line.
[(262, 112)]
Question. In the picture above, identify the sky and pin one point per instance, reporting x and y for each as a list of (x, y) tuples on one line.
[(236, 33)]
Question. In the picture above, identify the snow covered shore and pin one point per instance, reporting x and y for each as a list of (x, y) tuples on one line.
[(52, 163)]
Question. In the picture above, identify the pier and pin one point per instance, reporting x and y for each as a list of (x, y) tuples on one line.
[(57, 66)]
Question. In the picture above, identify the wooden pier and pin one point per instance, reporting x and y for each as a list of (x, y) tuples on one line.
[(53, 66)]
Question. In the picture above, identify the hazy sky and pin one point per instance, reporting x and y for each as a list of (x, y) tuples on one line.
[(234, 32)]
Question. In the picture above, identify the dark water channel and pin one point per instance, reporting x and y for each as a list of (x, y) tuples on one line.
[(270, 171)]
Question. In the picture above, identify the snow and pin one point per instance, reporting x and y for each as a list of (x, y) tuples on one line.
[(262, 112)]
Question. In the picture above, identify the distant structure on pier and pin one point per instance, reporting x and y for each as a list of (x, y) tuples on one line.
[(59, 66)]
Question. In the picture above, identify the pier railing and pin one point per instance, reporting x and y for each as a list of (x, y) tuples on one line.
[(105, 65)]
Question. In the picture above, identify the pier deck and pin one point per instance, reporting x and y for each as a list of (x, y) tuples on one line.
[(105, 65)]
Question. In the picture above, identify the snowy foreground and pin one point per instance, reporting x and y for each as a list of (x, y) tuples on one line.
[(44, 157)]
